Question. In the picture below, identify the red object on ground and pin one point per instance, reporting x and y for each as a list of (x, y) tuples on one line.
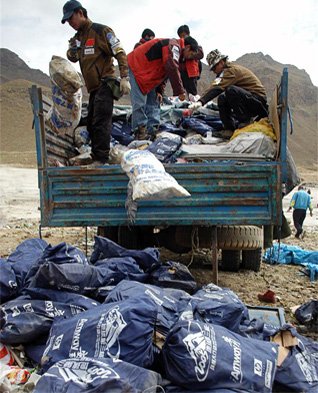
[(268, 297)]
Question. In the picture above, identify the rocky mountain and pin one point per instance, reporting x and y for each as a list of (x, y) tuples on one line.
[(17, 143), (12, 68)]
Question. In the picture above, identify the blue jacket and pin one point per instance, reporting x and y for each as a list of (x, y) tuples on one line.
[(301, 200)]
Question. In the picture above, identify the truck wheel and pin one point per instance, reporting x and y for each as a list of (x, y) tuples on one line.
[(109, 232), (231, 260), (239, 237), (251, 259)]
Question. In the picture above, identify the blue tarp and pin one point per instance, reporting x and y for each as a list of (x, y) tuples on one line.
[(286, 254)]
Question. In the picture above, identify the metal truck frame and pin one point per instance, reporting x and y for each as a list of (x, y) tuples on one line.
[(224, 192)]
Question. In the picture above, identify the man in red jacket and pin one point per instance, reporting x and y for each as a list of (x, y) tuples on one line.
[(150, 65)]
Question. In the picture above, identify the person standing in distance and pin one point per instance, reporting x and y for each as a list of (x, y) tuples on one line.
[(94, 46), (301, 201)]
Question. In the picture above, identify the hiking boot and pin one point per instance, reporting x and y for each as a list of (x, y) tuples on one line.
[(142, 134)]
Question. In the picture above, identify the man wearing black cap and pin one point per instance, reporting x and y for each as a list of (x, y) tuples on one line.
[(94, 46)]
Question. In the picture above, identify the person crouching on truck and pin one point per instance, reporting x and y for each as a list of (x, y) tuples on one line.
[(241, 95), (150, 65), (94, 46), (301, 201)]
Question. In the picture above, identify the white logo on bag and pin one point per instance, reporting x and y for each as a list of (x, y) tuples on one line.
[(79, 371), (28, 307), (15, 311), (57, 342), (76, 351), (199, 347), (304, 363), (12, 284), (51, 310), (258, 367), (236, 372), (109, 328), (268, 374)]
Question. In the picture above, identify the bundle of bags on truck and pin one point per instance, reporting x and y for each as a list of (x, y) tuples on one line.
[(125, 321)]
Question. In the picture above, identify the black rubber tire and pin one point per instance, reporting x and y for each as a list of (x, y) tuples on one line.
[(252, 259), (239, 237), (109, 232), (231, 260)]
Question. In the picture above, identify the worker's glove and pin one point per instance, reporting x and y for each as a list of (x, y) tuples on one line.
[(125, 86), (195, 106), (74, 44)]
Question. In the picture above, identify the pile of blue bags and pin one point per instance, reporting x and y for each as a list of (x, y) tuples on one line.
[(123, 321)]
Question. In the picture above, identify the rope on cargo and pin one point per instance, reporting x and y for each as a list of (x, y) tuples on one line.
[(194, 243)]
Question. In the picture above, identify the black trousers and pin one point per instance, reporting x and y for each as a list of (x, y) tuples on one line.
[(299, 216), (189, 84), (237, 105), (99, 121)]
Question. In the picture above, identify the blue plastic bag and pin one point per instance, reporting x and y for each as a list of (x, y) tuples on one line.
[(23, 320), (85, 279), (173, 275), (121, 131), (165, 148), (8, 282), (171, 302), (219, 306), (96, 375), (196, 125), (121, 330), (62, 253), (104, 248), (198, 356), (59, 296), (24, 257), (299, 371)]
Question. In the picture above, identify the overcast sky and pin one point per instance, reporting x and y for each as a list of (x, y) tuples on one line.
[(284, 29)]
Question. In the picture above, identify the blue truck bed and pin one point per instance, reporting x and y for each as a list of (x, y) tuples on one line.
[(223, 191)]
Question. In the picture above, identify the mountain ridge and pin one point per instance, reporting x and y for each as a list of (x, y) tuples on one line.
[(16, 120)]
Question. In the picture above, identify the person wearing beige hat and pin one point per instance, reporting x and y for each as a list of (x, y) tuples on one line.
[(241, 95)]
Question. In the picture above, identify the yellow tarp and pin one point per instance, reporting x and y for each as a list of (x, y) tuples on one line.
[(262, 125)]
